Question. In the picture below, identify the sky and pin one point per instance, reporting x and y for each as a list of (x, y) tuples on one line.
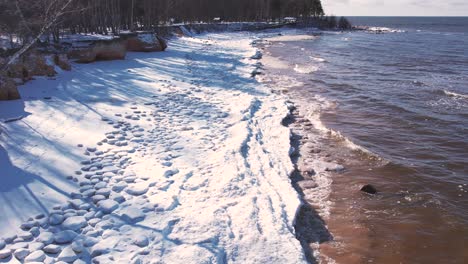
[(396, 7)]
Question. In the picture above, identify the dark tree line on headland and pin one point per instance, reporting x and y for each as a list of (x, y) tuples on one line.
[(24, 22), (25, 18)]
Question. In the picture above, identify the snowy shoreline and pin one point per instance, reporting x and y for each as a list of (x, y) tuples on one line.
[(177, 157)]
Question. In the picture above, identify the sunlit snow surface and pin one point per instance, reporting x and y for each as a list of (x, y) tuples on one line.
[(192, 149)]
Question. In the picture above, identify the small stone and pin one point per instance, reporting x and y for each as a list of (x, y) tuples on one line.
[(118, 187), (67, 255), (97, 198), (308, 184), (100, 185), (77, 246), (132, 215), (21, 253), (2, 244), (36, 256), (55, 219), (36, 246), (46, 237), (91, 149), (368, 188), (74, 223), (9, 239), (108, 206), (52, 249), (5, 253), (137, 190), (141, 241), (25, 235), (105, 191), (65, 237)]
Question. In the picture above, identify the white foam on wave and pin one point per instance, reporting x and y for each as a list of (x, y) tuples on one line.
[(305, 69), (317, 59), (456, 95), (314, 116), (384, 30), (291, 38)]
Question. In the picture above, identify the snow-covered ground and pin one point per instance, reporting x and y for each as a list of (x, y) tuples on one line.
[(174, 157)]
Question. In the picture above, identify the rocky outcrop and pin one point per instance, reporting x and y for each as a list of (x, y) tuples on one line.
[(8, 89), (62, 61), (144, 42), (31, 64), (90, 51)]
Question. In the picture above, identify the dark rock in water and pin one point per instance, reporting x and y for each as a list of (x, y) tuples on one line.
[(368, 188)]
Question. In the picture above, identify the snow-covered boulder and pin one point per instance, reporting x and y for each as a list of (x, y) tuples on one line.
[(5, 253), (8, 90), (62, 61), (65, 237), (145, 42), (52, 249), (36, 256), (67, 255), (108, 206), (74, 223), (87, 51), (31, 64)]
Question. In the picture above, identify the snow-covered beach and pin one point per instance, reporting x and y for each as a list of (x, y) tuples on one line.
[(174, 157)]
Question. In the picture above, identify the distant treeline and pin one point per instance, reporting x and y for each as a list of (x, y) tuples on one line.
[(25, 18)]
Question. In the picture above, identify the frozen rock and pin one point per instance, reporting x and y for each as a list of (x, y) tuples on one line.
[(36, 246), (46, 237), (74, 223), (35, 231), (91, 149), (76, 203), (137, 190), (132, 215), (141, 241), (89, 215), (52, 249), (170, 173), (21, 253), (5, 253), (105, 191), (65, 237), (25, 235), (100, 185), (108, 206), (109, 233), (2, 244), (36, 256), (90, 241), (55, 219), (118, 187), (369, 188), (104, 246), (67, 255), (9, 239), (77, 246), (19, 245), (97, 198), (28, 225)]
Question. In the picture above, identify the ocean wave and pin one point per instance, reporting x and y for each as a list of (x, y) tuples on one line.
[(314, 114), (305, 68), (317, 59), (456, 95), (379, 30)]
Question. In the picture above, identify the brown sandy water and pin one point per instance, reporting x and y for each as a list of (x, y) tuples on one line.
[(417, 216)]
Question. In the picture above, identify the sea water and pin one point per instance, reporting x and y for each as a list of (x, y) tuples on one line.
[(396, 92)]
